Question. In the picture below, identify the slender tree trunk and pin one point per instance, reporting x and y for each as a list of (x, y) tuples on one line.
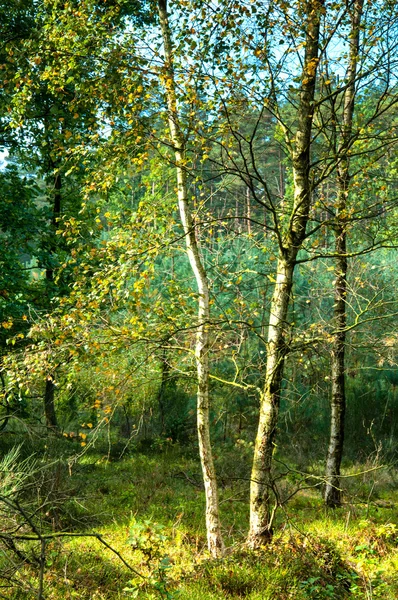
[(49, 404), (338, 400), (213, 526), (49, 393), (277, 346), (261, 477)]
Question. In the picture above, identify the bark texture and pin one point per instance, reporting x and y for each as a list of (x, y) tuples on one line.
[(338, 399), (213, 526), (277, 345)]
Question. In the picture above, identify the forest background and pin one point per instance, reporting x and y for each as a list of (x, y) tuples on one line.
[(197, 299)]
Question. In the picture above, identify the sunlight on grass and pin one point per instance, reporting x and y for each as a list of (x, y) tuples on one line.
[(149, 509)]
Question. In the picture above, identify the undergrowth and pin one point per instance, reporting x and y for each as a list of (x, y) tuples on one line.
[(149, 507)]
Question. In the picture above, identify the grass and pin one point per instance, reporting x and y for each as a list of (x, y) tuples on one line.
[(149, 506)]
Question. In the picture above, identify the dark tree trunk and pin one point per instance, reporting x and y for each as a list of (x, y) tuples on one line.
[(338, 403), (338, 400), (49, 404), (49, 394)]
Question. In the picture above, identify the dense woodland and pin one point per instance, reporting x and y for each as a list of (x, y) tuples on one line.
[(198, 306)]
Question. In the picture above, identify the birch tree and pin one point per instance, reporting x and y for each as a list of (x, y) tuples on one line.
[(293, 84), (213, 526), (290, 244), (264, 57)]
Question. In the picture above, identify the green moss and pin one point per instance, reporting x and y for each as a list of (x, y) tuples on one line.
[(315, 554)]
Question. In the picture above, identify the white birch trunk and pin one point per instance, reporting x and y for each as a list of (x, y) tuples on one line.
[(261, 477), (213, 526)]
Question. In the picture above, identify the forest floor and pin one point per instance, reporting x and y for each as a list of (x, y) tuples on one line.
[(149, 508)]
